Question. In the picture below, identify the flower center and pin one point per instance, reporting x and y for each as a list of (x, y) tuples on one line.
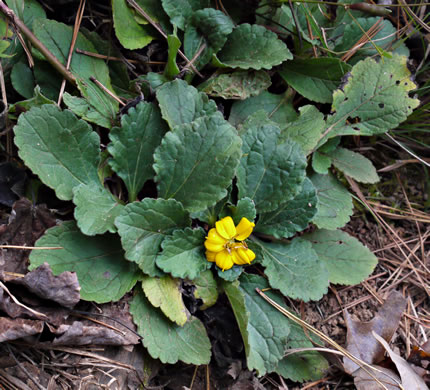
[(232, 245)]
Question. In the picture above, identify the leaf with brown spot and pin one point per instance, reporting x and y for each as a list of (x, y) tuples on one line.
[(360, 341)]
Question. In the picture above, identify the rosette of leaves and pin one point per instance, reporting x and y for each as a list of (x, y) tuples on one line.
[(204, 169)]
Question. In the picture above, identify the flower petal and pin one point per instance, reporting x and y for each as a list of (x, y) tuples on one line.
[(225, 228), (214, 242), (242, 256), (210, 256), (244, 229), (224, 260)]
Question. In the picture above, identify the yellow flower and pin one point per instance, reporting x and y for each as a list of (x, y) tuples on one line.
[(225, 243)]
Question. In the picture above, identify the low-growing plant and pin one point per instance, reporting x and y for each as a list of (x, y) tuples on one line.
[(232, 195)]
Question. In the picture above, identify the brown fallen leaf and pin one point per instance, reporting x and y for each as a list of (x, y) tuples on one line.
[(363, 381), (410, 379), (63, 288), (12, 329), (360, 341), (27, 223)]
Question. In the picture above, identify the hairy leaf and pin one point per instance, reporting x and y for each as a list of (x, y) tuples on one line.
[(269, 173), (133, 145), (96, 209), (334, 202), (264, 329), (346, 259), (253, 47), (181, 103), (168, 341), (103, 273), (165, 293), (374, 98), (278, 107), (306, 130), (196, 162), (144, 225), (180, 11), (131, 34), (354, 165), (314, 78), (61, 149), (292, 216), (295, 269), (206, 289), (183, 254)]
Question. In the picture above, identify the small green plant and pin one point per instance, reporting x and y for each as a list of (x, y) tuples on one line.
[(262, 174)]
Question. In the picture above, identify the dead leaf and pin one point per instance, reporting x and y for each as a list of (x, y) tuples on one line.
[(63, 288), (410, 379), (12, 183), (363, 381), (27, 223), (360, 342), (12, 329)]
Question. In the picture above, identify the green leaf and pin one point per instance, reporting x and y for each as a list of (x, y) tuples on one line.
[(334, 202), (347, 260), (270, 174), (292, 216), (245, 208), (301, 366), (144, 225), (321, 162), (167, 341), (231, 274), (183, 254), (174, 44), (196, 162), (255, 47), (27, 10), (307, 129), (206, 289), (47, 79), (57, 37), (214, 25), (210, 215), (164, 293), (295, 269), (98, 106), (22, 79), (237, 85), (132, 146), (103, 273), (180, 11), (58, 147), (130, 33), (96, 209), (264, 329), (195, 42), (25, 105), (374, 99), (314, 78), (180, 103), (278, 108), (355, 165), (384, 38)]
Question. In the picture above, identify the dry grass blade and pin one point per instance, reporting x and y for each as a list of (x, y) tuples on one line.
[(416, 17), (365, 366), (41, 315), (365, 38)]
